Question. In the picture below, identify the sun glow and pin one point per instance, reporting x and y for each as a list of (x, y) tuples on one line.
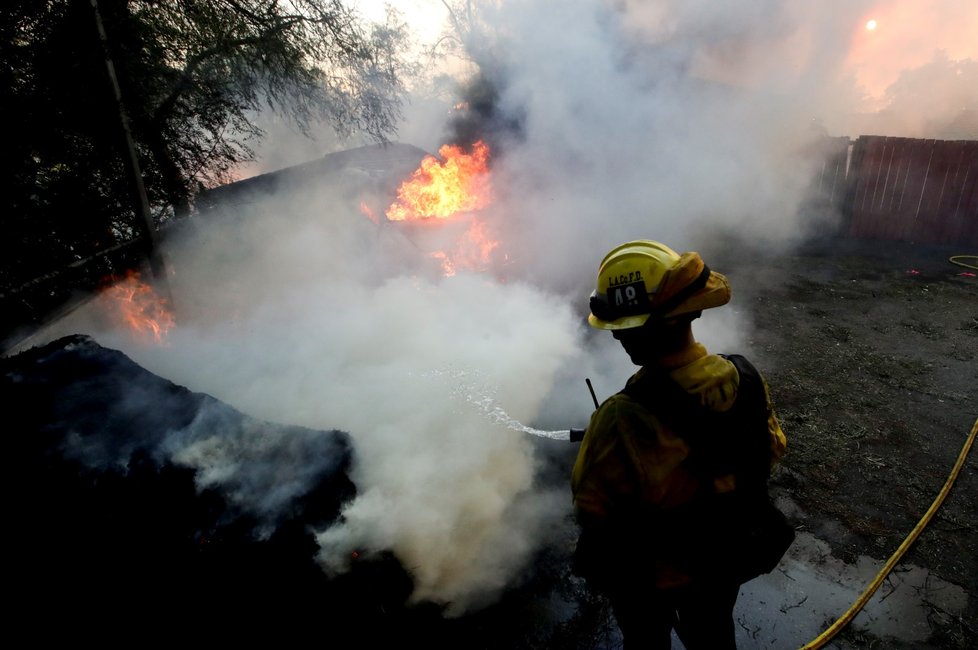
[(870, 25)]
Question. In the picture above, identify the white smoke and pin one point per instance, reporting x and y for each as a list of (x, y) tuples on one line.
[(300, 310), (676, 121)]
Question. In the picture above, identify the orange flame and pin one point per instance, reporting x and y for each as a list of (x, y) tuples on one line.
[(446, 261), (367, 212), (438, 191), (472, 251), (134, 303), (442, 189), (475, 249)]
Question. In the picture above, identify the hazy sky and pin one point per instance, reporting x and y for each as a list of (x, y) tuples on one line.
[(905, 35), (866, 42), (837, 58)]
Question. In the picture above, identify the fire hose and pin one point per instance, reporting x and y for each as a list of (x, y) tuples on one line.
[(956, 259), (844, 620), (860, 602)]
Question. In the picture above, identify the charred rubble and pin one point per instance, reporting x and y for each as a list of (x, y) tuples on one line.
[(109, 532), (113, 536)]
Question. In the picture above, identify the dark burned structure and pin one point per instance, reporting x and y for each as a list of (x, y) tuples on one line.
[(116, 537), (373, 170), (110, 533), (376, 169)]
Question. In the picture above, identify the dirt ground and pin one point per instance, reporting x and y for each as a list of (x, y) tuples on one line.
[(870, 350)]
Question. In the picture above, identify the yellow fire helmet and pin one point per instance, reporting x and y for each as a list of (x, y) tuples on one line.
[(643, 279)]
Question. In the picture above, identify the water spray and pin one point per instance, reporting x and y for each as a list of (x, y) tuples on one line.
[(500, 416), (487, 404)]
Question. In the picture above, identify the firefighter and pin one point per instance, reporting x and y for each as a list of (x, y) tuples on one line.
[(666, 465)]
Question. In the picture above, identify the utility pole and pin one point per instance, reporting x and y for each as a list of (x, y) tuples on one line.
[(144, 218)]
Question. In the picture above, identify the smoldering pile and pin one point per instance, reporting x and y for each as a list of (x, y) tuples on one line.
[(128, 506), (144, 505)]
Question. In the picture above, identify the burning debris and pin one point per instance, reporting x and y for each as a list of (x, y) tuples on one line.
[(133, 304), (182, 513), (444, 491), (136, 489), (447, 193), (443, 189)]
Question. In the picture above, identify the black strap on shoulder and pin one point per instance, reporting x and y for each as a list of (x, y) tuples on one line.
[(734, 441)]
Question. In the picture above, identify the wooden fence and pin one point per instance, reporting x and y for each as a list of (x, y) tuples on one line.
[(904, 189)]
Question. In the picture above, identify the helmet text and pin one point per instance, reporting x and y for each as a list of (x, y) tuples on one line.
[(630, 277)]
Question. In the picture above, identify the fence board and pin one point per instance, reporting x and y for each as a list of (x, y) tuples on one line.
[(832, 181), (827, 191), (918, 173), (894, 159), (869, 149), (916, 190), (968, 206), (927, 227), (954, 227)]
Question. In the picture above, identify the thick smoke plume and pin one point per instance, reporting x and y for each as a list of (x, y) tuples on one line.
[(302, 311), (688, 122)]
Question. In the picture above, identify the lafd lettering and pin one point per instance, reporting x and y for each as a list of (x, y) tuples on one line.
[(625, 278)]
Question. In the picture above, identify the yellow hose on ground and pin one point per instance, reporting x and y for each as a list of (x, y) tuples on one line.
[(956, 259), (844, 620)]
